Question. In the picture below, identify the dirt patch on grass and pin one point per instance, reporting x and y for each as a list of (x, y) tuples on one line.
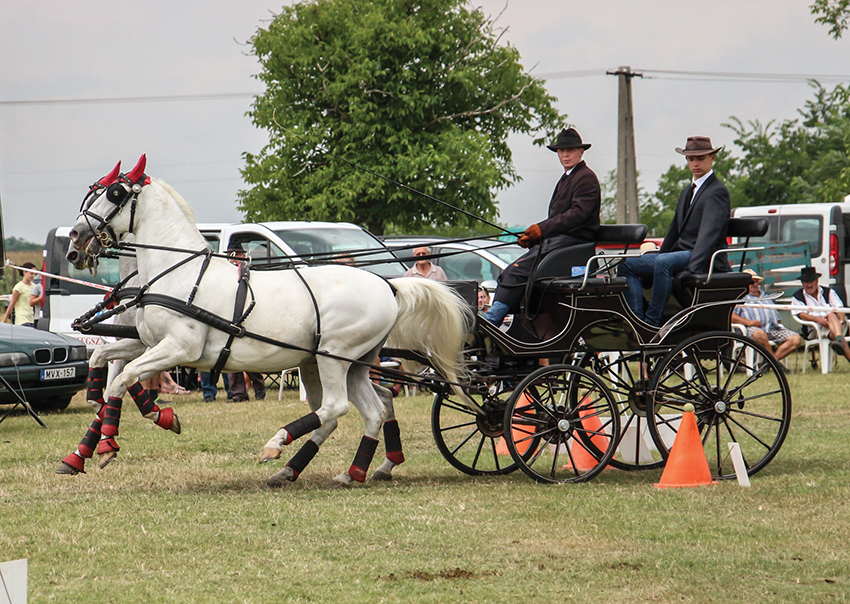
[(454, 573)]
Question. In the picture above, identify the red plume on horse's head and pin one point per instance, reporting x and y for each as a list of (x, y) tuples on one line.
[(111, 177), (136, 173)]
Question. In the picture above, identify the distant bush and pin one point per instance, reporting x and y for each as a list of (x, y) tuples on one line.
[(14, 244)]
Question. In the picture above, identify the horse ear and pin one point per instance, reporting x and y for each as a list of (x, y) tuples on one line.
[(111, 177), (136, 173)]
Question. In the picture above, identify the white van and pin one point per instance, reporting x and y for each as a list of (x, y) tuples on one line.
[(824, 226)]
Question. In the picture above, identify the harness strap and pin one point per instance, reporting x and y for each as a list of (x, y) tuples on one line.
[(238, 318)]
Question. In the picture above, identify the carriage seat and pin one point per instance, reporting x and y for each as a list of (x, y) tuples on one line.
[(685, 286), (560, 262)]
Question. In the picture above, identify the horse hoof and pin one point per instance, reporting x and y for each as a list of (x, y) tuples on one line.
[(283, 477), (338, 484), (103, 459), (269, 454), (381, 476), (67, 469), (175, 425)]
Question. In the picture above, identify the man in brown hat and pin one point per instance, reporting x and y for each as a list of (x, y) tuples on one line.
[(573, 219), (812, 294), (697, 231)]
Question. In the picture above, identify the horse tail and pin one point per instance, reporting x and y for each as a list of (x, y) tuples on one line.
[(432, 319)]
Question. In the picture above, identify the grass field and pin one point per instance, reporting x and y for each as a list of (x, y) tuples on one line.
[(188, 519)]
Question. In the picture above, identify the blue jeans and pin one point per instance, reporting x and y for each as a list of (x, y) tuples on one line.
[(210, 390), (658, 269)]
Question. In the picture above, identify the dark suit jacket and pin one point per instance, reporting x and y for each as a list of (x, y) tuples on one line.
[(573, 209), (702, 228)]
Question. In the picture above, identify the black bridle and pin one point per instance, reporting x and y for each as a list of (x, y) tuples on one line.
[(119, 194)]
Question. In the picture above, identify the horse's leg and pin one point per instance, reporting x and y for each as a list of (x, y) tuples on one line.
[(392, 437), (165, 354), (119, 351), (373, 411), (313, 387), (296, 465)]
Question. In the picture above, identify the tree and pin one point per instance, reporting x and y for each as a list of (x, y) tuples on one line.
[(421, 92), (796, 161), (833, 13)]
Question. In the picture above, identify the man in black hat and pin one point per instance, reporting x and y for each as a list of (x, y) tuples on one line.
[(573, 219), (697, 231), (812, 294)]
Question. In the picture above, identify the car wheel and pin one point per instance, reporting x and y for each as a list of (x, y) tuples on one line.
[(56, 403)]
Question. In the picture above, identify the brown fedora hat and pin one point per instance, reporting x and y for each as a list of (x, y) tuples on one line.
[(568, 138), (698, 145)]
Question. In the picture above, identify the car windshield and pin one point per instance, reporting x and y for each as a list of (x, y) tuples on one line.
[(508, 253), (343, 245)]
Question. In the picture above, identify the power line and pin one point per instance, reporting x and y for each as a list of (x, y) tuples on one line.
[(729, 76), (137, 99)]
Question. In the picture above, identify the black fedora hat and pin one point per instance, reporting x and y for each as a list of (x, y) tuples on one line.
[(568, 139), (809, 274), (698, 145)]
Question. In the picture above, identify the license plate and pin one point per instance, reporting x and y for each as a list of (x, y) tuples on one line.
[(58, 373)]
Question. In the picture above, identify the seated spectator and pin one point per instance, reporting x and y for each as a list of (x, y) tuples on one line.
[(423, 268), (812, 294), (765, 324)]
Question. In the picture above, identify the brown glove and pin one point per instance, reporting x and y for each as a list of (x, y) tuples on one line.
[(531, 235)]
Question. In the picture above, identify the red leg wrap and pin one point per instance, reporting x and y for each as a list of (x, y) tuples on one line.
[(76, 462), (106, 445), (111, 418), (365, 453), (166, 418)]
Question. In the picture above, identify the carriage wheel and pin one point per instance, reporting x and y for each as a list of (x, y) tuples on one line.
[(735, 400), (553, 413), (472, 441), (627, 376)]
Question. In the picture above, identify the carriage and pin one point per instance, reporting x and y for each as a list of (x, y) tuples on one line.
[(578, 383), (612, 390)]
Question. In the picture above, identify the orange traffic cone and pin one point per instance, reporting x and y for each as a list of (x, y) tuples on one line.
[(518, 434), (581, 457), (686, 464)]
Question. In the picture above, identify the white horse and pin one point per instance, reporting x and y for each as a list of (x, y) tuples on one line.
[(330, 321), (119, 351)]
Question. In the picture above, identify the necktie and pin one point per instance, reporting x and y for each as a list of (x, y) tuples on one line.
[(690, 196)]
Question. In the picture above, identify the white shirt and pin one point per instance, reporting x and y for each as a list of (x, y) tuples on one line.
[(701, 181), (833, 301)]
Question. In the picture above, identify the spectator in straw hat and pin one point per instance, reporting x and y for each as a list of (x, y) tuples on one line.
[(697, 231), (765, 324), (812, 294)]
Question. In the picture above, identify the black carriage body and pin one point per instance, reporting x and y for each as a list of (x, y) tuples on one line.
[(570, 316)]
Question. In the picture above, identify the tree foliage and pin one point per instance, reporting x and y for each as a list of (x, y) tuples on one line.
[(804, 160), (833, 13), (422, 92)]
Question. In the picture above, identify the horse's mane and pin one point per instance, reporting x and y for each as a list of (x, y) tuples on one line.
[(178, 198)]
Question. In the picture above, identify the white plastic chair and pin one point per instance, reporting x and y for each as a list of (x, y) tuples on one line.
[(822, 341)]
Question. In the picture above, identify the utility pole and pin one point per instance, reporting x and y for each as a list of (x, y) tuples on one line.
[(627, 201)]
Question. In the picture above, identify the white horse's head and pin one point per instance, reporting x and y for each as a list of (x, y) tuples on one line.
[(109, 208)]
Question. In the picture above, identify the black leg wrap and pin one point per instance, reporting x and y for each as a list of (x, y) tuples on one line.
[(392, 442), (112, 417), (302, 426), (95, 383), (304, 456), (365, 453), (90, 440), (142, 398)]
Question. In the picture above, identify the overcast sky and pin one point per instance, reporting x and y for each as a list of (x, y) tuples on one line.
[(57, 51)]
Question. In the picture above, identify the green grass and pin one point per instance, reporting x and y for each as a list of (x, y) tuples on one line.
[(188, 519)]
